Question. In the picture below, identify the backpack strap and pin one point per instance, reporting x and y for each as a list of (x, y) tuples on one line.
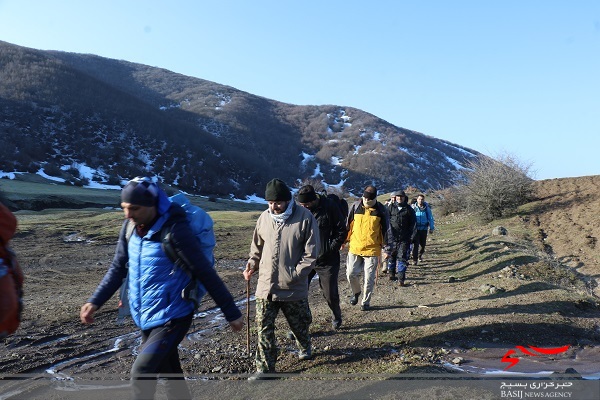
[(174, 254), (168, 245), (179, 259)]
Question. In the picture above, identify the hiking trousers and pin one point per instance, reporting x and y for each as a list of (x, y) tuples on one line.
[(158, 356), (328, 280), (400, 254), (355, 265), (297, 313), (419, 245)]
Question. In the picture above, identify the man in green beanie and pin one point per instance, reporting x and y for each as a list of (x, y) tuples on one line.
[(283, 252)]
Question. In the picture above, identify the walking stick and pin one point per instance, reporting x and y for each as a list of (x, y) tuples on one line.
[(248, 316)]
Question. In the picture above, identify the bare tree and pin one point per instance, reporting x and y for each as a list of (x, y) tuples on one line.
[(452, 200), (496, 186)]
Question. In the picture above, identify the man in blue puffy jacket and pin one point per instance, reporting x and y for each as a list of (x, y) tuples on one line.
[(155, 285)]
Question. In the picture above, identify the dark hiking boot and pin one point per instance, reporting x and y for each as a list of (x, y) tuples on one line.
[(354, 299), (336, 324), (402, 277), (365, 307)]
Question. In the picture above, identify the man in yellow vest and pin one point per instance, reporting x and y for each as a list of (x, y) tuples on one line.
[(368, 233)]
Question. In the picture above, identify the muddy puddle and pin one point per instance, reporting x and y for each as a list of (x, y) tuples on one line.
[(526, 361)]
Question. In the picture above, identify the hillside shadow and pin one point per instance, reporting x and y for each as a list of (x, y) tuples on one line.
[(529, 288), (467, 245), (509, 334), (434, 263), (498, 335), (549, 204), (340, 357), (494, 267), (564, 308)]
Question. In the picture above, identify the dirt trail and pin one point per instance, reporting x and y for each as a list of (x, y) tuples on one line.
[(448, 315)]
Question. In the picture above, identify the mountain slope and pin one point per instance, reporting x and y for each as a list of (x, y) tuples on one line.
[(63, 110)]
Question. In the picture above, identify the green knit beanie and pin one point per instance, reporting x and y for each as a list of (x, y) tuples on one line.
[(277, 190)]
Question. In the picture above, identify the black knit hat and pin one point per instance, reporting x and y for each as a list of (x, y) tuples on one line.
[(140, 191), (277, 190), (306, 194), (370, 193)]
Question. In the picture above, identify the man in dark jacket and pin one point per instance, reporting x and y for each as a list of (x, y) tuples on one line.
[(403, 224), (332, 231), (156, 283)]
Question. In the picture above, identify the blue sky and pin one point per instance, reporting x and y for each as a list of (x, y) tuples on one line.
[(511, 77)]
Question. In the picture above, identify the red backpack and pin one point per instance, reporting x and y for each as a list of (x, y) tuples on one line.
[(11, 289), (11, 277)]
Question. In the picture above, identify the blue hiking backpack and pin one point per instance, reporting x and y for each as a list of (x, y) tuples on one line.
[(202, 226)]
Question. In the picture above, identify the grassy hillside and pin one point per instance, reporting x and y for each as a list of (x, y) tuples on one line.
[(36, 193), (40, 195), (99, 216)]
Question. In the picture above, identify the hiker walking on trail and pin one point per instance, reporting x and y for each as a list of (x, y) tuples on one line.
[(332, 233), (390, 200), (368, 232), (403, 225), (156, 285), (425, 223), (283, 251)]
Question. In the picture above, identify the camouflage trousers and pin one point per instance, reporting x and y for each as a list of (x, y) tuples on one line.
[(298, 316)]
